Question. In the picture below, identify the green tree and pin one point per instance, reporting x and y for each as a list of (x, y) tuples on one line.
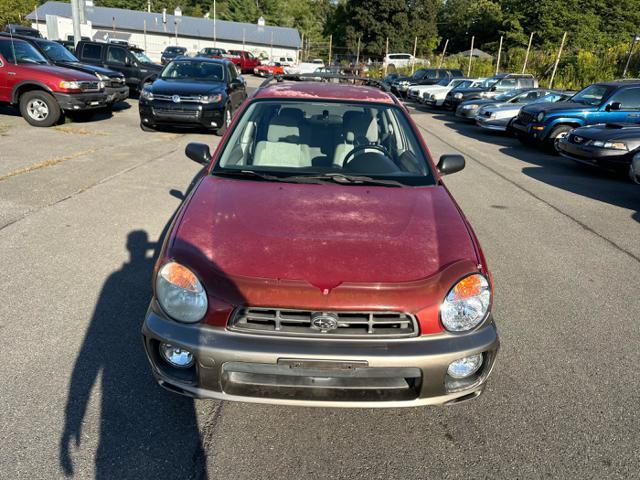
[(14, 11)]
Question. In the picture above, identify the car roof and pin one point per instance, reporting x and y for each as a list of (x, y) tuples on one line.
[(324, 91), (621, 82), (202, 59)]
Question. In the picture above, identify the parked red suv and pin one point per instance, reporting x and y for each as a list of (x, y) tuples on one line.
[(321, 260), (247, 61), (43, 91)]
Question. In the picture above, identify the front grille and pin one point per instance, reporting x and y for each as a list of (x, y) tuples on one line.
[(116, 81), (90, 86), (170, 98), (175, 112), (525, 118), (301, 323)]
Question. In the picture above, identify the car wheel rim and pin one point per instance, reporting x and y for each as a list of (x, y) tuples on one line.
[(38, 110), (556, 141)]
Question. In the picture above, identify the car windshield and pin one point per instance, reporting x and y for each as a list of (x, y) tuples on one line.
[(592, 95), (464, 84), (317, 142), (193, 70), (141, 57), (444, 82), (57, 52), (550, 97), (20, 52), (511, 94), (488, 82), (420, 74), (177, 50)]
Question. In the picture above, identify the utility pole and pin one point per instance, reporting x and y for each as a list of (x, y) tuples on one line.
[(358, 55), (330, 45), (555, 65), (636, 37), (271, 54), (214, 24), (499, 52), (413, 60), (301, 47), (145, 34), (526, 57), (470, 56), (244, 31), (75, 16), (444, 51)]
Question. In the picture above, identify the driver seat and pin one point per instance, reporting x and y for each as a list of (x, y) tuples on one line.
[(359, 129)]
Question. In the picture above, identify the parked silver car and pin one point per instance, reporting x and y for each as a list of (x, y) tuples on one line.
[(496, 116)]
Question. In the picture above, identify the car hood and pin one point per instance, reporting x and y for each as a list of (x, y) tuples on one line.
[(555, 107), (320, 235), (503, 107), (65, 73), (478, 101), (83, 67), (611, 131), (185, 87)]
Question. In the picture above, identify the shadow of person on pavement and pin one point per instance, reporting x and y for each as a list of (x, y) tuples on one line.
[(145, 431)]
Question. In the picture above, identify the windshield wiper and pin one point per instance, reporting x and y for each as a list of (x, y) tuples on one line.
[(343, 179)]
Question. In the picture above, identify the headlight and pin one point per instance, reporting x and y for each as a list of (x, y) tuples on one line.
[(104, 78), (609, 145), (147, 94), (210, 98), (457, 95), (470, 107), (180, 293), (73, 85), (466, 304), (101, 85), (540, 116)]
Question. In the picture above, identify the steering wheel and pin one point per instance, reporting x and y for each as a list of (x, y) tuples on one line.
[(358, 148)]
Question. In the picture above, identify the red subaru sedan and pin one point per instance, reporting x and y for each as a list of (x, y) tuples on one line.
[(321, 261)]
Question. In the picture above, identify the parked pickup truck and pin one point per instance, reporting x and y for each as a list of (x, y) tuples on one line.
[(608, 102), (247, 62), (41, 90), (131, 61), (58, 55)]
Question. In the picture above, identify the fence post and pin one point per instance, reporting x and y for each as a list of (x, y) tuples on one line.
[(358, 55), (413, 61), (499, 52), (444, 50), (330, 45), (526, 57), (145, 34), (470, 56), (301, 45), (386, 59), (555, 66)]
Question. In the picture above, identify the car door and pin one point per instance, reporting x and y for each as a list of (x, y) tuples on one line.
[(5, 90), (235, 89), (116, 58), (629, 110), (91, 53)]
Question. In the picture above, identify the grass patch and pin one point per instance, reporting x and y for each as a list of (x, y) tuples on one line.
[(44, 164)]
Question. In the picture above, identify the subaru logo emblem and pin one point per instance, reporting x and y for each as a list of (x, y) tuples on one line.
[(324, 321), (176, 99)]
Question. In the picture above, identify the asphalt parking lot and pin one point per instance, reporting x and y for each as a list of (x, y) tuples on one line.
[(82, 207)]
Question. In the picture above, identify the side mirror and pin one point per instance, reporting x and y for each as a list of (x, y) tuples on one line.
[(494, 88), (198, 152), (614, 106), (450, 163)]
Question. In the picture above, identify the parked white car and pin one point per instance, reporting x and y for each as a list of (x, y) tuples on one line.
[(285, 61), (398, 60), (303, 67), (417, 92), (436, 98)]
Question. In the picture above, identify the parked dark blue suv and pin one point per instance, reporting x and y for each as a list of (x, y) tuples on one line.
[(609, 102)]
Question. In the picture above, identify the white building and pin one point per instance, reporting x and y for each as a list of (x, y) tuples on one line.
[(155, 31)]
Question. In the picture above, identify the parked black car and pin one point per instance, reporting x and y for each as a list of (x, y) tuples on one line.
[(196, 91), (170, 53), (15, 29), (131, 61), (491, 87), (57, 54), (607, 145), (423, 76)]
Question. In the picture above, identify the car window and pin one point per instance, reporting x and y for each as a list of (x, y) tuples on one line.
[(116, 55), (507, 84), (91, 51), (141, 57), (629, 99), (57, 52), (20, 52), (232, 72), (592, 95), (193, 70), (311, 138)]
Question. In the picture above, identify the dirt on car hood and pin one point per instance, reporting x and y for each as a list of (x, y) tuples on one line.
[(322, 235)]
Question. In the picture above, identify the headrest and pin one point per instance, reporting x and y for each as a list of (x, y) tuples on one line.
[(283, 127), (359, 126)]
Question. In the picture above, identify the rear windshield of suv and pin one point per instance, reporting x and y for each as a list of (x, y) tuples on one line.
[(311, 138)]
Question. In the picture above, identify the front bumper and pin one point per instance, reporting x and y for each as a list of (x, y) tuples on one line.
[(602, 157), (316, 372), (451, 103), (495, 124), (81, 101), (169, 113), (434, 102), (467, 114), (116, 94)]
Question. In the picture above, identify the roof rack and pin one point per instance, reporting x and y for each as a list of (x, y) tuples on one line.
[(625, 80), (278, 78)]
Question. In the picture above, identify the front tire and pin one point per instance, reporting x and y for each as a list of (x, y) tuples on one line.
[(40, 109), (226, 121), (556, 134)]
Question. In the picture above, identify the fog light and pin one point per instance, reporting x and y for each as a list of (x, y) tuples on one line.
[(465, 367), (214, 124), (176, 356)]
